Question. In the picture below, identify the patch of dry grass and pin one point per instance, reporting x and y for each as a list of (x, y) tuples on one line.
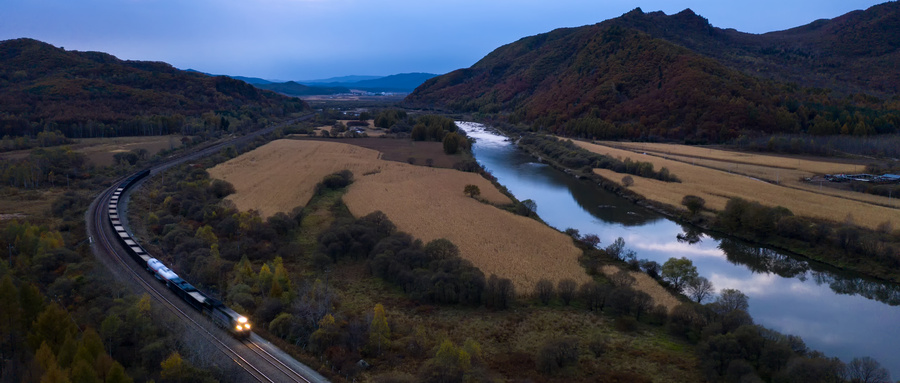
[(426, 202), (100, 151), (806, 165), (717, 186)]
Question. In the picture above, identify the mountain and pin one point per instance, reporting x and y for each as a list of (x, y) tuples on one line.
[(291, 88), (653, 76), (251, 80), (340, 80), (404, 82), (42, 86), (856, 52)]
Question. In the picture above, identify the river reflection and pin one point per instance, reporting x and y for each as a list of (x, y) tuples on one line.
[(838, 313)]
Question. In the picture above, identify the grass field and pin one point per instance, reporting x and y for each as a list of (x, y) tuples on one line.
[(100, 151), (717, 175), (426, 202), (22, 204)]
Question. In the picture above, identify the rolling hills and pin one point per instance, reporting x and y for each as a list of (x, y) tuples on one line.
[(659, 77), (42, 86)]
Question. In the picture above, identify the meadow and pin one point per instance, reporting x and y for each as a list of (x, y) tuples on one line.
[(718, 175)]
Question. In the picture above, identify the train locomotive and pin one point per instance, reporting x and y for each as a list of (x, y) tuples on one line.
[(223, 316)]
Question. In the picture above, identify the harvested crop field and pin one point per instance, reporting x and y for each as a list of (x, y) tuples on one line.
[(716, 184), (425, 202), (403, 150)]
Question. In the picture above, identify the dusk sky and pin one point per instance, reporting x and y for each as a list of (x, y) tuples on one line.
[(313, 39)]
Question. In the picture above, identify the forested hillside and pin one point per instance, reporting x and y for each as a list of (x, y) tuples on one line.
[(651, 76), (93, 94)]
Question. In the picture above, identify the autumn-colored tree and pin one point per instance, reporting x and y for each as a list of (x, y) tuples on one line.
[(173, 368), (379, 331)]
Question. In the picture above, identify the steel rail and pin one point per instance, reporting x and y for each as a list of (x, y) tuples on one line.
[(105, 243), (280, 366)]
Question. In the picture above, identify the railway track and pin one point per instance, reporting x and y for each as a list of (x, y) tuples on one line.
[(250, 355)]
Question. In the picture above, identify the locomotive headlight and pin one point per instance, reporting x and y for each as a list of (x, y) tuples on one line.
[(242, 319), (238, 328), (247, 326)]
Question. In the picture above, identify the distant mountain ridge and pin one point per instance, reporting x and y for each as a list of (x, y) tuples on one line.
[(653, 76), (398, 83)]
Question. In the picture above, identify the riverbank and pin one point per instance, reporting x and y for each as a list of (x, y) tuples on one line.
[(844, 245), (790, 294)]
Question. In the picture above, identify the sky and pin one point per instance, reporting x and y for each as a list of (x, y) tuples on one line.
[(316, 39)]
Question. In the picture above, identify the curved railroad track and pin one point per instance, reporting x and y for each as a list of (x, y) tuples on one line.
[(256, 358)]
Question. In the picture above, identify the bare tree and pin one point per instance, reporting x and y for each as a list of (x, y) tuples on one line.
[(867, 370), (544, 291), (566, 289), (699, 289)]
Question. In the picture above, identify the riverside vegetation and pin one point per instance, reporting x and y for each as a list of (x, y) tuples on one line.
[(335, 289)]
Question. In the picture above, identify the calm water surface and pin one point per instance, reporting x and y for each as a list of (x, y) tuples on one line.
[(835, 312)]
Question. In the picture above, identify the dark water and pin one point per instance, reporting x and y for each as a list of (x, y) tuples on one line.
[(835, 312)]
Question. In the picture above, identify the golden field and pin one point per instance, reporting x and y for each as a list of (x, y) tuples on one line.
[(717, 175), (426, 202)]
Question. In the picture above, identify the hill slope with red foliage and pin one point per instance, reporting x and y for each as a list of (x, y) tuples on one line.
[(616, 79)]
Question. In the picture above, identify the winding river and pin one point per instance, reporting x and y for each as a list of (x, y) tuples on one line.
[(836, 312)]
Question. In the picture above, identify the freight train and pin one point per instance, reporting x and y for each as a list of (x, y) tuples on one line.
[(221, 315)]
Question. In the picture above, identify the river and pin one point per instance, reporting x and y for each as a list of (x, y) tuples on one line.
[(838, 313)]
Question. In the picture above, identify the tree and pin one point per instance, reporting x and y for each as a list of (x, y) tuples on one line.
[(616, 249), (693, 203), (679, 272), (451, 143), (730, 300), (472, 191), (867, 370), (530, 205), (627, 181), (594, 295), (700, 288), (117, 374), (544, 291), (643, 302), (379, 331), (174, 368), (566, 289), (557, 354)]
